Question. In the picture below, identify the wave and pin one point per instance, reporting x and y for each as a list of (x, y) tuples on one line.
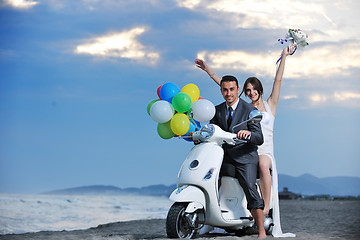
[(34, 213)]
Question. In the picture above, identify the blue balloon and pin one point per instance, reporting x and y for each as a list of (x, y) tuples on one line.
[(168, 91), (191, 129)]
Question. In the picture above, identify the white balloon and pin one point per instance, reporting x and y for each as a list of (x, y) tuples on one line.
[(203, 110), (162, 111)]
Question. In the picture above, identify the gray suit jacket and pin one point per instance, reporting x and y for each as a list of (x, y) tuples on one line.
[(244, 152)]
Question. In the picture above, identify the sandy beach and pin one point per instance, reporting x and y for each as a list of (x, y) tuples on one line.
[(317, 220)]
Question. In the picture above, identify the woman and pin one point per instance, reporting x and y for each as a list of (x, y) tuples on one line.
[(254, 90)]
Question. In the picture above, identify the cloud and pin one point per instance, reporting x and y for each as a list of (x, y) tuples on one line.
[(345, 96), (135, 6), (318, 76), (288, 97), (119, 45), (317, 98), (320, 20), (321, 62), (20, 4), (261, 14), (188, 3), (344, 99)]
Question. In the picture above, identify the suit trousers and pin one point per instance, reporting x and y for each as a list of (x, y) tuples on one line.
[(246, 175)]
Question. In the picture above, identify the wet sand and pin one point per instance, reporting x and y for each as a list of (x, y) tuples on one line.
[(317, 220)]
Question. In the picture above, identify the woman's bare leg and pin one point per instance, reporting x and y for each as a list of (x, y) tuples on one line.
[(265, 181)]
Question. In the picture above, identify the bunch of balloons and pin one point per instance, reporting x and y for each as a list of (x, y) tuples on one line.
[(179, 112)]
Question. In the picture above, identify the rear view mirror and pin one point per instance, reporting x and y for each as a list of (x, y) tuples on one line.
[(255, 115)]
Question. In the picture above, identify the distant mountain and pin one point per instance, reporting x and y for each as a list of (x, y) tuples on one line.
[(154, 190), (307, 185)]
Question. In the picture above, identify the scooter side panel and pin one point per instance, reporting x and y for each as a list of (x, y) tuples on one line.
[(204, 174), (201, 166)]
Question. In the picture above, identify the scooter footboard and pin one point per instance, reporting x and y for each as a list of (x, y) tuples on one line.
[(191, 194), (232, 199)]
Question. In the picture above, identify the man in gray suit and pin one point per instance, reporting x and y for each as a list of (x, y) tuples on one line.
[(241, 161)]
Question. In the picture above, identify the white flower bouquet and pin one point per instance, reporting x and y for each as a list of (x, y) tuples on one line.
[(296, 37)]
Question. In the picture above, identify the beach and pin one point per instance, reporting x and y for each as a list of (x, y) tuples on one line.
[(308, 219)]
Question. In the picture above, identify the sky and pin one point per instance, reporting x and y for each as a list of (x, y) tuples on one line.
[(76, 78)]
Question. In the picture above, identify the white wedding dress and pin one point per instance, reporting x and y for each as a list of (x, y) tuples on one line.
[(267, 148)]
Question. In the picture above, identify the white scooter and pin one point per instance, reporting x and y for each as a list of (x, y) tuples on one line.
[(198, 199)]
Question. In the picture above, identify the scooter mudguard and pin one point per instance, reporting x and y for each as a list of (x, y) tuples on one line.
[(191, 194)]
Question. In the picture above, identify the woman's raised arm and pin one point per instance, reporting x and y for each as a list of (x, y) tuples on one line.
[(275, 93)]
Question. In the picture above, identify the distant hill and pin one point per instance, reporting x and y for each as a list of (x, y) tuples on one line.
[(154, 190), (310, 185), (307, 185)]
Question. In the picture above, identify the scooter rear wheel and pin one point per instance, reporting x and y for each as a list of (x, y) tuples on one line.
[(177, 223)]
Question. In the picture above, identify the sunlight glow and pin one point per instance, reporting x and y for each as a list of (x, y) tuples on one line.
[(20, 4), (119, 45)]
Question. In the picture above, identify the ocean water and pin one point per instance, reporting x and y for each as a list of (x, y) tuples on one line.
[(33, 213), (308, 219)]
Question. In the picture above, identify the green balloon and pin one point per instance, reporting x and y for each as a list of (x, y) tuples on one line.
[(182, 102), (150, 105), (164, 130)]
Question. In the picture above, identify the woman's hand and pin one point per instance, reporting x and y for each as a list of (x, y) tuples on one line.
[(288, 50)]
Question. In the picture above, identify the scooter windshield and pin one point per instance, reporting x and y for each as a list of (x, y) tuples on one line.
[(207, 131)]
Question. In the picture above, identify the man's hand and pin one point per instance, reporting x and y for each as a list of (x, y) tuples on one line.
[(243, 134)]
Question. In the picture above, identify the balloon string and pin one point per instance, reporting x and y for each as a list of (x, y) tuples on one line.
[(193, 121)]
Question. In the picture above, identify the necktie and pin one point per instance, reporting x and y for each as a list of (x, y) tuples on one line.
[(229, 117)]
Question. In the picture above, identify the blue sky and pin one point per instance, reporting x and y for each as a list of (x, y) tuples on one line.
[(76, 78)]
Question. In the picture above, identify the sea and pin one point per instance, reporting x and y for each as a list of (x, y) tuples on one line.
[(37, 212), (320, 219)]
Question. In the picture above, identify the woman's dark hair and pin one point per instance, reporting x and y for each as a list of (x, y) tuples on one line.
[(256, 84)]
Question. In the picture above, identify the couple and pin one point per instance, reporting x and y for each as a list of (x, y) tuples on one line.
[(244, 164)]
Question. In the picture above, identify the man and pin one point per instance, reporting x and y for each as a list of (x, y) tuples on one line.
[(241, 161)]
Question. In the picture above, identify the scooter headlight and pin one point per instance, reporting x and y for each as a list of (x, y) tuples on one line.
[(207, 131)]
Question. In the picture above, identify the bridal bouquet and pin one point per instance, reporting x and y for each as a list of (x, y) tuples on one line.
[(296, 37)]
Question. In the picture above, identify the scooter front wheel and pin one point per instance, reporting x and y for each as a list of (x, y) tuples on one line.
[(179, 224)]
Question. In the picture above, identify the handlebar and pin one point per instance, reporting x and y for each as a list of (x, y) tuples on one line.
[(237, 141)]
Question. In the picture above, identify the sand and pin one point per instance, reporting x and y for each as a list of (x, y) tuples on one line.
[(317, 220)]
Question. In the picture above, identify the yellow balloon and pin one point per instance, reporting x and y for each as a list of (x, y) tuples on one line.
[(192, 90), (180, 124)]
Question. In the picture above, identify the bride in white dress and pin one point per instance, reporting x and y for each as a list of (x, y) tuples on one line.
[(268, 182)]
